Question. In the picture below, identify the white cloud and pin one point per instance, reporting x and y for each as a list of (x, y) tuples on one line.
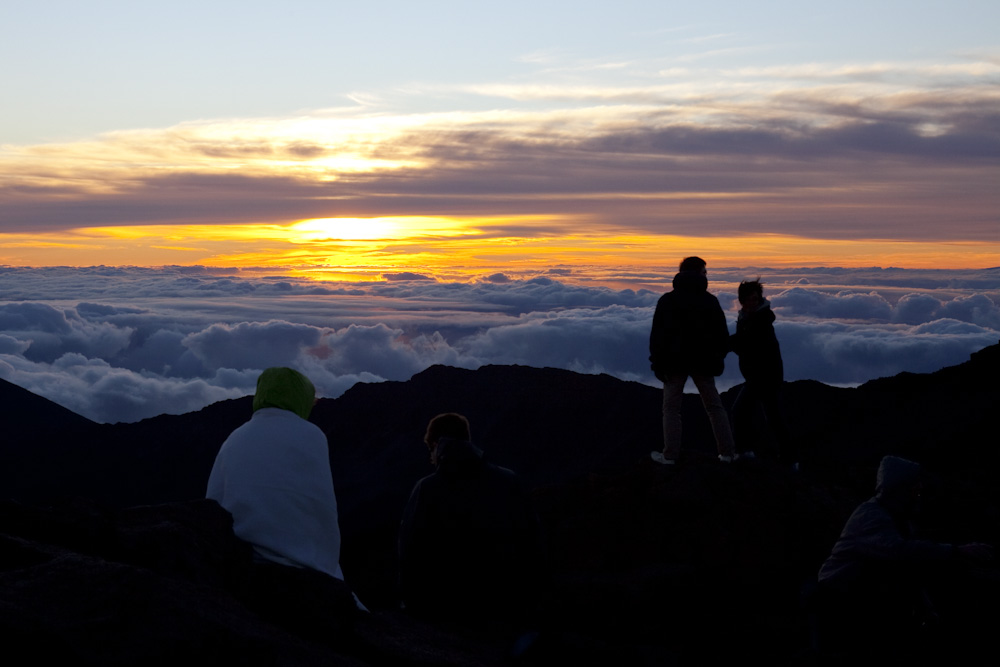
[(147, 341), (251, 344), (842, 305)]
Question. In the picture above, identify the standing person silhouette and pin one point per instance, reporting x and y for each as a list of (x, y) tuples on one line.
[(690, 339), (763, 374)]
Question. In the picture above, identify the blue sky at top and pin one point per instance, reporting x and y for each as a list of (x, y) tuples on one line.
[(76, 69)]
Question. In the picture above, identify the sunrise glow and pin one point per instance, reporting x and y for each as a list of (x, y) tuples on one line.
[(611, 164), (194, 192), (458, 249)]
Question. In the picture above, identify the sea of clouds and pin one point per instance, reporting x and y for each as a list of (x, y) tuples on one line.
[(122, 344)]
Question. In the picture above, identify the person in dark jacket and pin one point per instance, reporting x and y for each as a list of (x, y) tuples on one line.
[(763, 372), (690, 339), (871, 587), (469, 542)]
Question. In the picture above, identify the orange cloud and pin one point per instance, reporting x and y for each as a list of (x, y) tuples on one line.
[(461, 249)]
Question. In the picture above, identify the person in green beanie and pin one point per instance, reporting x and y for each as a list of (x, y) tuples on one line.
[(273, 475)]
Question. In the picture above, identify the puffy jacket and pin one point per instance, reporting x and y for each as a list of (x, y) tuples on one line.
[(689, 332), (877, 533), (757, 346)]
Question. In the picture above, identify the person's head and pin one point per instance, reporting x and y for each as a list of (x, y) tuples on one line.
[(693, 265), (898, 484), (286, 389), (750, 293), (450, 425)]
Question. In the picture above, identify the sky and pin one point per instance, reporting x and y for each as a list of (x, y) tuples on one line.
[(448, 176)]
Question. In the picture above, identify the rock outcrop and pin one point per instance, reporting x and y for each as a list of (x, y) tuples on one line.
[(108, 556)]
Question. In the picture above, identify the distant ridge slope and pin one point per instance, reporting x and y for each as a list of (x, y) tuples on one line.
[(24, 413), (550, 425), (633, 547)]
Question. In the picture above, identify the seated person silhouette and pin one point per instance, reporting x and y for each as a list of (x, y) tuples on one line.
[(469, 542), (273, 475), (872, 586)]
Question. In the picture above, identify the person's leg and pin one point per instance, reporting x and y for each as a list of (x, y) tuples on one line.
[(716, 414), (673, 396), (744, 412), (774, 411)]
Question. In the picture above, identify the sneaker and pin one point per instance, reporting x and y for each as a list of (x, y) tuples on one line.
[(794, 467), (725, 459), (745, 456), (660, 458)]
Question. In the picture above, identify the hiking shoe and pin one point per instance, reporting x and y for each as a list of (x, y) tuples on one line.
[(725, 459), (660, 458)]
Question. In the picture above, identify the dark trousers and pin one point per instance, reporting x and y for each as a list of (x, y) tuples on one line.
[(756, 398)]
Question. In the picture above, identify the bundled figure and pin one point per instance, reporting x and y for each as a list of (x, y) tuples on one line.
[(690, 339), (470, 547), (763, 373), (273, 475), (872, 586)]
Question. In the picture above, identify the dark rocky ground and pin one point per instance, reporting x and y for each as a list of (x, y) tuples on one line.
[(109, 557)]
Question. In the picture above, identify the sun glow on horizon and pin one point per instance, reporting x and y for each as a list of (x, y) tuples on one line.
[(460, 249), (317, 230)]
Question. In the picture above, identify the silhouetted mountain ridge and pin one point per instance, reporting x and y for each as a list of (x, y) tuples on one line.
[(634, 548)]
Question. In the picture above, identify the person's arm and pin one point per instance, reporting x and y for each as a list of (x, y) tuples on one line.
[(720, 330), (657, 343), (411, 532), (873, 534)]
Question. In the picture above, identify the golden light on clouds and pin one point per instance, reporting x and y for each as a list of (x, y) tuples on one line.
[(458, 249), (376, 229), (631, 175)]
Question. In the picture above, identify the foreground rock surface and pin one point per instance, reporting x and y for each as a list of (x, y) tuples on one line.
[(647, 566)]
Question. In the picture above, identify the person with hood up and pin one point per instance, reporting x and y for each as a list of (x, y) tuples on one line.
[(273, 475), (872, 582), (690, 338), (763, 373)]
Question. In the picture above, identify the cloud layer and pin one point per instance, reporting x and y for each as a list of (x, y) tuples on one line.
[(886, 151), (121, 344)]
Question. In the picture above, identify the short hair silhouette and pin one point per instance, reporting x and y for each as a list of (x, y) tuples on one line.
[(748, 287), (692, 264), (447, 425)]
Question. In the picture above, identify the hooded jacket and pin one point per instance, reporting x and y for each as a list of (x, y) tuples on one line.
[(689, 332), (877, 532), (757, 345), (273, 475)]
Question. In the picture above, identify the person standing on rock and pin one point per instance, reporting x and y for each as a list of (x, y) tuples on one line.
[(690, 339), (763, 373)]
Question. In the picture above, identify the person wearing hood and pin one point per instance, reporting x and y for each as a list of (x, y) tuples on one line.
[(763, 373), (273, 475), (872, 582), (469, 541), (690, 338)]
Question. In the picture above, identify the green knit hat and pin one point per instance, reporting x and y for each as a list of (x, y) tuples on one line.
[(286, 389)]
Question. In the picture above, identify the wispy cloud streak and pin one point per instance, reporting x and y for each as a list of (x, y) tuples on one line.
[(885, 151)]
